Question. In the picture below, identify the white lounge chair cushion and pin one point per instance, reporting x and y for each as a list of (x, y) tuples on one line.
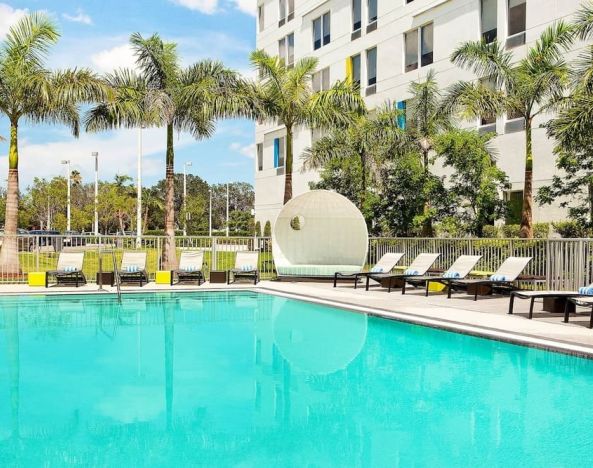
[(498, 278), (451, 274), (586, 290)]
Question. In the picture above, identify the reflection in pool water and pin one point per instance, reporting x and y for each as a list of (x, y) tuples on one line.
[(250, 379)]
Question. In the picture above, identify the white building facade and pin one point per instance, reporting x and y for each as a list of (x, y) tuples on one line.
[(385, 45)]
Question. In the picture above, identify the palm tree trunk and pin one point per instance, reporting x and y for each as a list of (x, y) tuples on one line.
[(427, 229), (145, 223), (527, 212), (9, 255), (169, 260), (590, 193), (288, 166)]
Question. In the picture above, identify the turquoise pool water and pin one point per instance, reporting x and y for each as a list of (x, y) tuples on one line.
[(246, 379)]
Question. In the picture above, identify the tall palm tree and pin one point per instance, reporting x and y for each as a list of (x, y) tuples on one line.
[(527, 88), (284, 95), (31, 91), (369, 139), (163, 94)]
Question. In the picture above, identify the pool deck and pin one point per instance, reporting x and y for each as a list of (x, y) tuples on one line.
[(485, 317)]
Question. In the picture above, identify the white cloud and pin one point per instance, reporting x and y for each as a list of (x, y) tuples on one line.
[(120, 56), (204, 6), (9, 16), (245, 150), (246, 6), (79, 17), (117, 155)]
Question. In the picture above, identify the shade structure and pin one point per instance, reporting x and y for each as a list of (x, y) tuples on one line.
[(318, 233)]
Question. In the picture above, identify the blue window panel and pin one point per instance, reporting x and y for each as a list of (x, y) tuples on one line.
[(401, 119), (276, 151)]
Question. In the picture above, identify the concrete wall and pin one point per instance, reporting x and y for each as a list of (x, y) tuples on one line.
[(455, 21)]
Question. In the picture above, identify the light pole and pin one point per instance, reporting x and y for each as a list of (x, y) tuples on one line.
[(227, 209), (67, 163), (210, 215), (139, 191), (95, 155), (185, 166)]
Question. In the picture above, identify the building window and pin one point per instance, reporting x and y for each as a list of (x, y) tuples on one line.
[(517, 18), (356, 15), (372, 67), (260, 157), (372, 10), (354, 70), (321, 31), (279, 151), (411, 59), (420, 39), (401, 118), (489, 18), (286, 50), (286, 11), (260, 17), (427, 44), (320, 81)]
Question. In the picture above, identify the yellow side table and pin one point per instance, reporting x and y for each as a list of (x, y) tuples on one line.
[(163, 277), (37, 278)]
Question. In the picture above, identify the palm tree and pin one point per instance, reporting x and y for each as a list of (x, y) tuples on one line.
[(163, 94), (29, 90), (284, 95), (369, 139), (529, 87), (425, 120)]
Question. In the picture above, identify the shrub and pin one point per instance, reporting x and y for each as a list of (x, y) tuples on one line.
[(490, 232), (268, 229), (570, 229), (258, 229), (540, 230)]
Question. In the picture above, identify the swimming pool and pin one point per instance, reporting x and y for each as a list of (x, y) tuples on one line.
[(251, 379)]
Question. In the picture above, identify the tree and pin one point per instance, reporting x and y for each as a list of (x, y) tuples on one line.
[(268, 229), (258, 229), (163, 94), (241, 198), (476, 183), (370, 140), (532, 86), (284, 95), (29, 90)]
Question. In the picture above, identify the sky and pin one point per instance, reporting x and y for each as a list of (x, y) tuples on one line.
[(95, 33)]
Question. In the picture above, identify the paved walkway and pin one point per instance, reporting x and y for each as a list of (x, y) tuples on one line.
[(487, 316)]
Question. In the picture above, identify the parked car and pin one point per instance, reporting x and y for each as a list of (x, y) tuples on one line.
[(73, 239), (45, 239)]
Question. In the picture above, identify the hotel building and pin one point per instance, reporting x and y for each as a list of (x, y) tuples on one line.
[(385, 45)]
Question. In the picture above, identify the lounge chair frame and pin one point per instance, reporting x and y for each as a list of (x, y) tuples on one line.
[(66, 259), (133, 258), (244, 258), (388, 261), (422, 262), (533, 295), (190, 258)]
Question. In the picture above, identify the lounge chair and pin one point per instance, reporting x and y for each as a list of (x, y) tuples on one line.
[(385, 264), (133, 268), (458, 270), (504, 277), (533, 295), (417, 268), (245, 267), (190, 268), (581, 301), (69, 270)]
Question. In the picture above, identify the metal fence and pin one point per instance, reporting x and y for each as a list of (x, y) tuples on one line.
[(562, 263)]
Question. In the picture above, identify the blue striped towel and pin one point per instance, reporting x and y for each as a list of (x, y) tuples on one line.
[(247, 268), (410, 272), (189, 269), (451, 274), (377, 269), (498, 278), (131, 269), (586, 291), (69, 269)]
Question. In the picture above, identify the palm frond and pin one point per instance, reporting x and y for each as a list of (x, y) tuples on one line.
[(584, 21), (485, 60)]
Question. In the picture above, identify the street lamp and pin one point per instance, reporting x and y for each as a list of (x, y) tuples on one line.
[(66, 162), (185, 166), (227, 209), (139, 191), (95, 155)]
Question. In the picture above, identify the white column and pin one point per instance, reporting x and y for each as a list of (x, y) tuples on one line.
[(67, 164), (185, 166), (210, 215), (227, 209), (96, 156)]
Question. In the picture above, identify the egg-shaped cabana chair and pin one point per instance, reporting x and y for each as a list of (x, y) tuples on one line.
[(318, 233)]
